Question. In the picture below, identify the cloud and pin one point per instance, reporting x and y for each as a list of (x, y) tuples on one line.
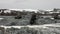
[(6, 1), (30, 4)]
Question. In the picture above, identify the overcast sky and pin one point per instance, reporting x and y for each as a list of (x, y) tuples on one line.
[(30, 4)]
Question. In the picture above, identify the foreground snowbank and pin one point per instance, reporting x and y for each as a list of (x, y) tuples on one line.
[(33, 26)]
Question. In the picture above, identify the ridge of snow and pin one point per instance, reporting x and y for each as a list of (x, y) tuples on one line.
[(30, 10), (23, 9)]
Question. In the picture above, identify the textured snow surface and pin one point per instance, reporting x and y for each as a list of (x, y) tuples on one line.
[(34, 26), (34, 29)]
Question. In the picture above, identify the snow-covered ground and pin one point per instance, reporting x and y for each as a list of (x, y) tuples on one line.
[(33, 26), (30, 10)]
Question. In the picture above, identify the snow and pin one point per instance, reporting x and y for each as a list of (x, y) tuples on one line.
[(30, 10), (1, 18), (7, 11), (33, 26)]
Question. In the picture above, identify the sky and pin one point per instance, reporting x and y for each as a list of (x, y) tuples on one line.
[(30, 4)]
